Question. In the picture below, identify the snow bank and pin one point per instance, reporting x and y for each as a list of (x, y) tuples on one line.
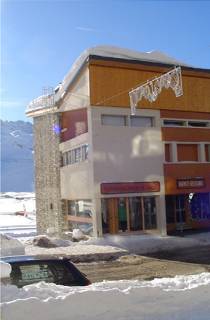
[(5, 269), (10, 246), (146, 300), (143, 244), (11, 202)]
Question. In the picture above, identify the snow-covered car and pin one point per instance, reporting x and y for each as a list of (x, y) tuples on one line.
[(32, 269)]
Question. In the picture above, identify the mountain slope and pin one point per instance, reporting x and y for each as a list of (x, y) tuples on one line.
[(16, 156)]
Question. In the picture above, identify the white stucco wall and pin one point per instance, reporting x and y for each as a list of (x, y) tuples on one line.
[(122, 154), (79, 94)]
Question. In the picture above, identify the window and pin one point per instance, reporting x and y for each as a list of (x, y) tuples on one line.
[(150, 213), (167, 152), (198, 124), (187, 152), (170, 209), (78, 155), (207, 152), (200, 206), (139, 121), (80, 208), (75, 155), (25, 274), (113, 120), (31, 272), (186, 123), (174, 123), (84, 152)]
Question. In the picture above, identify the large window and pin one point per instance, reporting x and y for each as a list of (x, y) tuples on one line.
[(139, 121), (200, 206), (80, 215), (75, 155), (113, 120), (125, 120), (186, 123)]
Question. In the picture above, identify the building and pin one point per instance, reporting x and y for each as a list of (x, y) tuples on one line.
[(97, 167)]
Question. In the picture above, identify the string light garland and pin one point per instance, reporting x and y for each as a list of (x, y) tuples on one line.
[(152, 88)]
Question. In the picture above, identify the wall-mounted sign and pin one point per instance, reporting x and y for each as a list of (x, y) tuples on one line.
[(190, 183), (130, 187)]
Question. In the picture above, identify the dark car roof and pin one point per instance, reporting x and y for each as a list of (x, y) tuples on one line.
[(11, 259)]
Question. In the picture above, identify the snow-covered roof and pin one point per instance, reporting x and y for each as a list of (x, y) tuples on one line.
[(106, 52)]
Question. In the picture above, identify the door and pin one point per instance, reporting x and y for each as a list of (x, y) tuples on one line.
[(135, 213), (150, 213), (180, 209), (110, 215)]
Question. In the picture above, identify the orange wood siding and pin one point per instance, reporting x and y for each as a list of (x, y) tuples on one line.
[(187, 152), (185, 134), (167, 152), (73, 123), (109, 78), (207, 152), (185, 114), (173, 172)]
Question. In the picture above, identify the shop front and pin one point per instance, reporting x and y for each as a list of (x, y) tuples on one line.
[(190, 208), (129, 213)]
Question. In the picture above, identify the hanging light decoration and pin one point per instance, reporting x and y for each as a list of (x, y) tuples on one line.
[(152, 88)]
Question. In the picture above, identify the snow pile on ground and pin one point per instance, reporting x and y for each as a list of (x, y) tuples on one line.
[(5, 269), (169, 298), (10, 246), (17, 211), (11, 202), (142, 244), (113, 246), (78, 252)]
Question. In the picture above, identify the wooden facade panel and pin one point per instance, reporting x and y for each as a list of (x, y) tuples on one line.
[(107, 82), (185, 115), (185, 134), (187, 152), (175, 172), (73, 123)]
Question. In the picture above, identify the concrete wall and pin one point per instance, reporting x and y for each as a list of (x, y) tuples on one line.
[(123, 154), (126, 153), (78, 93), (50, 216)]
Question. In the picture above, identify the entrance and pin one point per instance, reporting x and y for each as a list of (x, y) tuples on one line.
[(128, 214)]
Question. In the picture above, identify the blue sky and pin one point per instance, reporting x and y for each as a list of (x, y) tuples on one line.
[(41, 39)]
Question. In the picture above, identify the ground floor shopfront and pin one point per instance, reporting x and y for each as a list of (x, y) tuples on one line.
[(127, 214), (120, 208), (188, 211), (187, 196)]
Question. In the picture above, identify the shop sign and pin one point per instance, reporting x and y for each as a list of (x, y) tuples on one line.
[(130, 187), (190, 183)]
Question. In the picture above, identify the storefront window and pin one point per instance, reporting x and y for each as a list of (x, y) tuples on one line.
[(170, 207), (150, 213), (200, 206), (80, 214), (135, 210)]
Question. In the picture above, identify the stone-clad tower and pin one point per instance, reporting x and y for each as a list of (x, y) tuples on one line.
[(47, 158)]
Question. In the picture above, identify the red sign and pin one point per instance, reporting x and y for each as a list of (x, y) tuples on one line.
[(190, 183), (130, 187)]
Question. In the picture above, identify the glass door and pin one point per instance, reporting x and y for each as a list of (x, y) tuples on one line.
[(149, 213), (180, 209), (135, 212)]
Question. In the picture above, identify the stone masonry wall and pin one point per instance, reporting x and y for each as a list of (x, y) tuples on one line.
[(50, 211)]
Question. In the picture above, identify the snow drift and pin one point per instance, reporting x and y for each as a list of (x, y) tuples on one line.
[(170, 298)]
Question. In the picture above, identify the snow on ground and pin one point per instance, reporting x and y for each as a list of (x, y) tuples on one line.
[(139, 244), (11, 202), (10, 222), (180, 298)]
